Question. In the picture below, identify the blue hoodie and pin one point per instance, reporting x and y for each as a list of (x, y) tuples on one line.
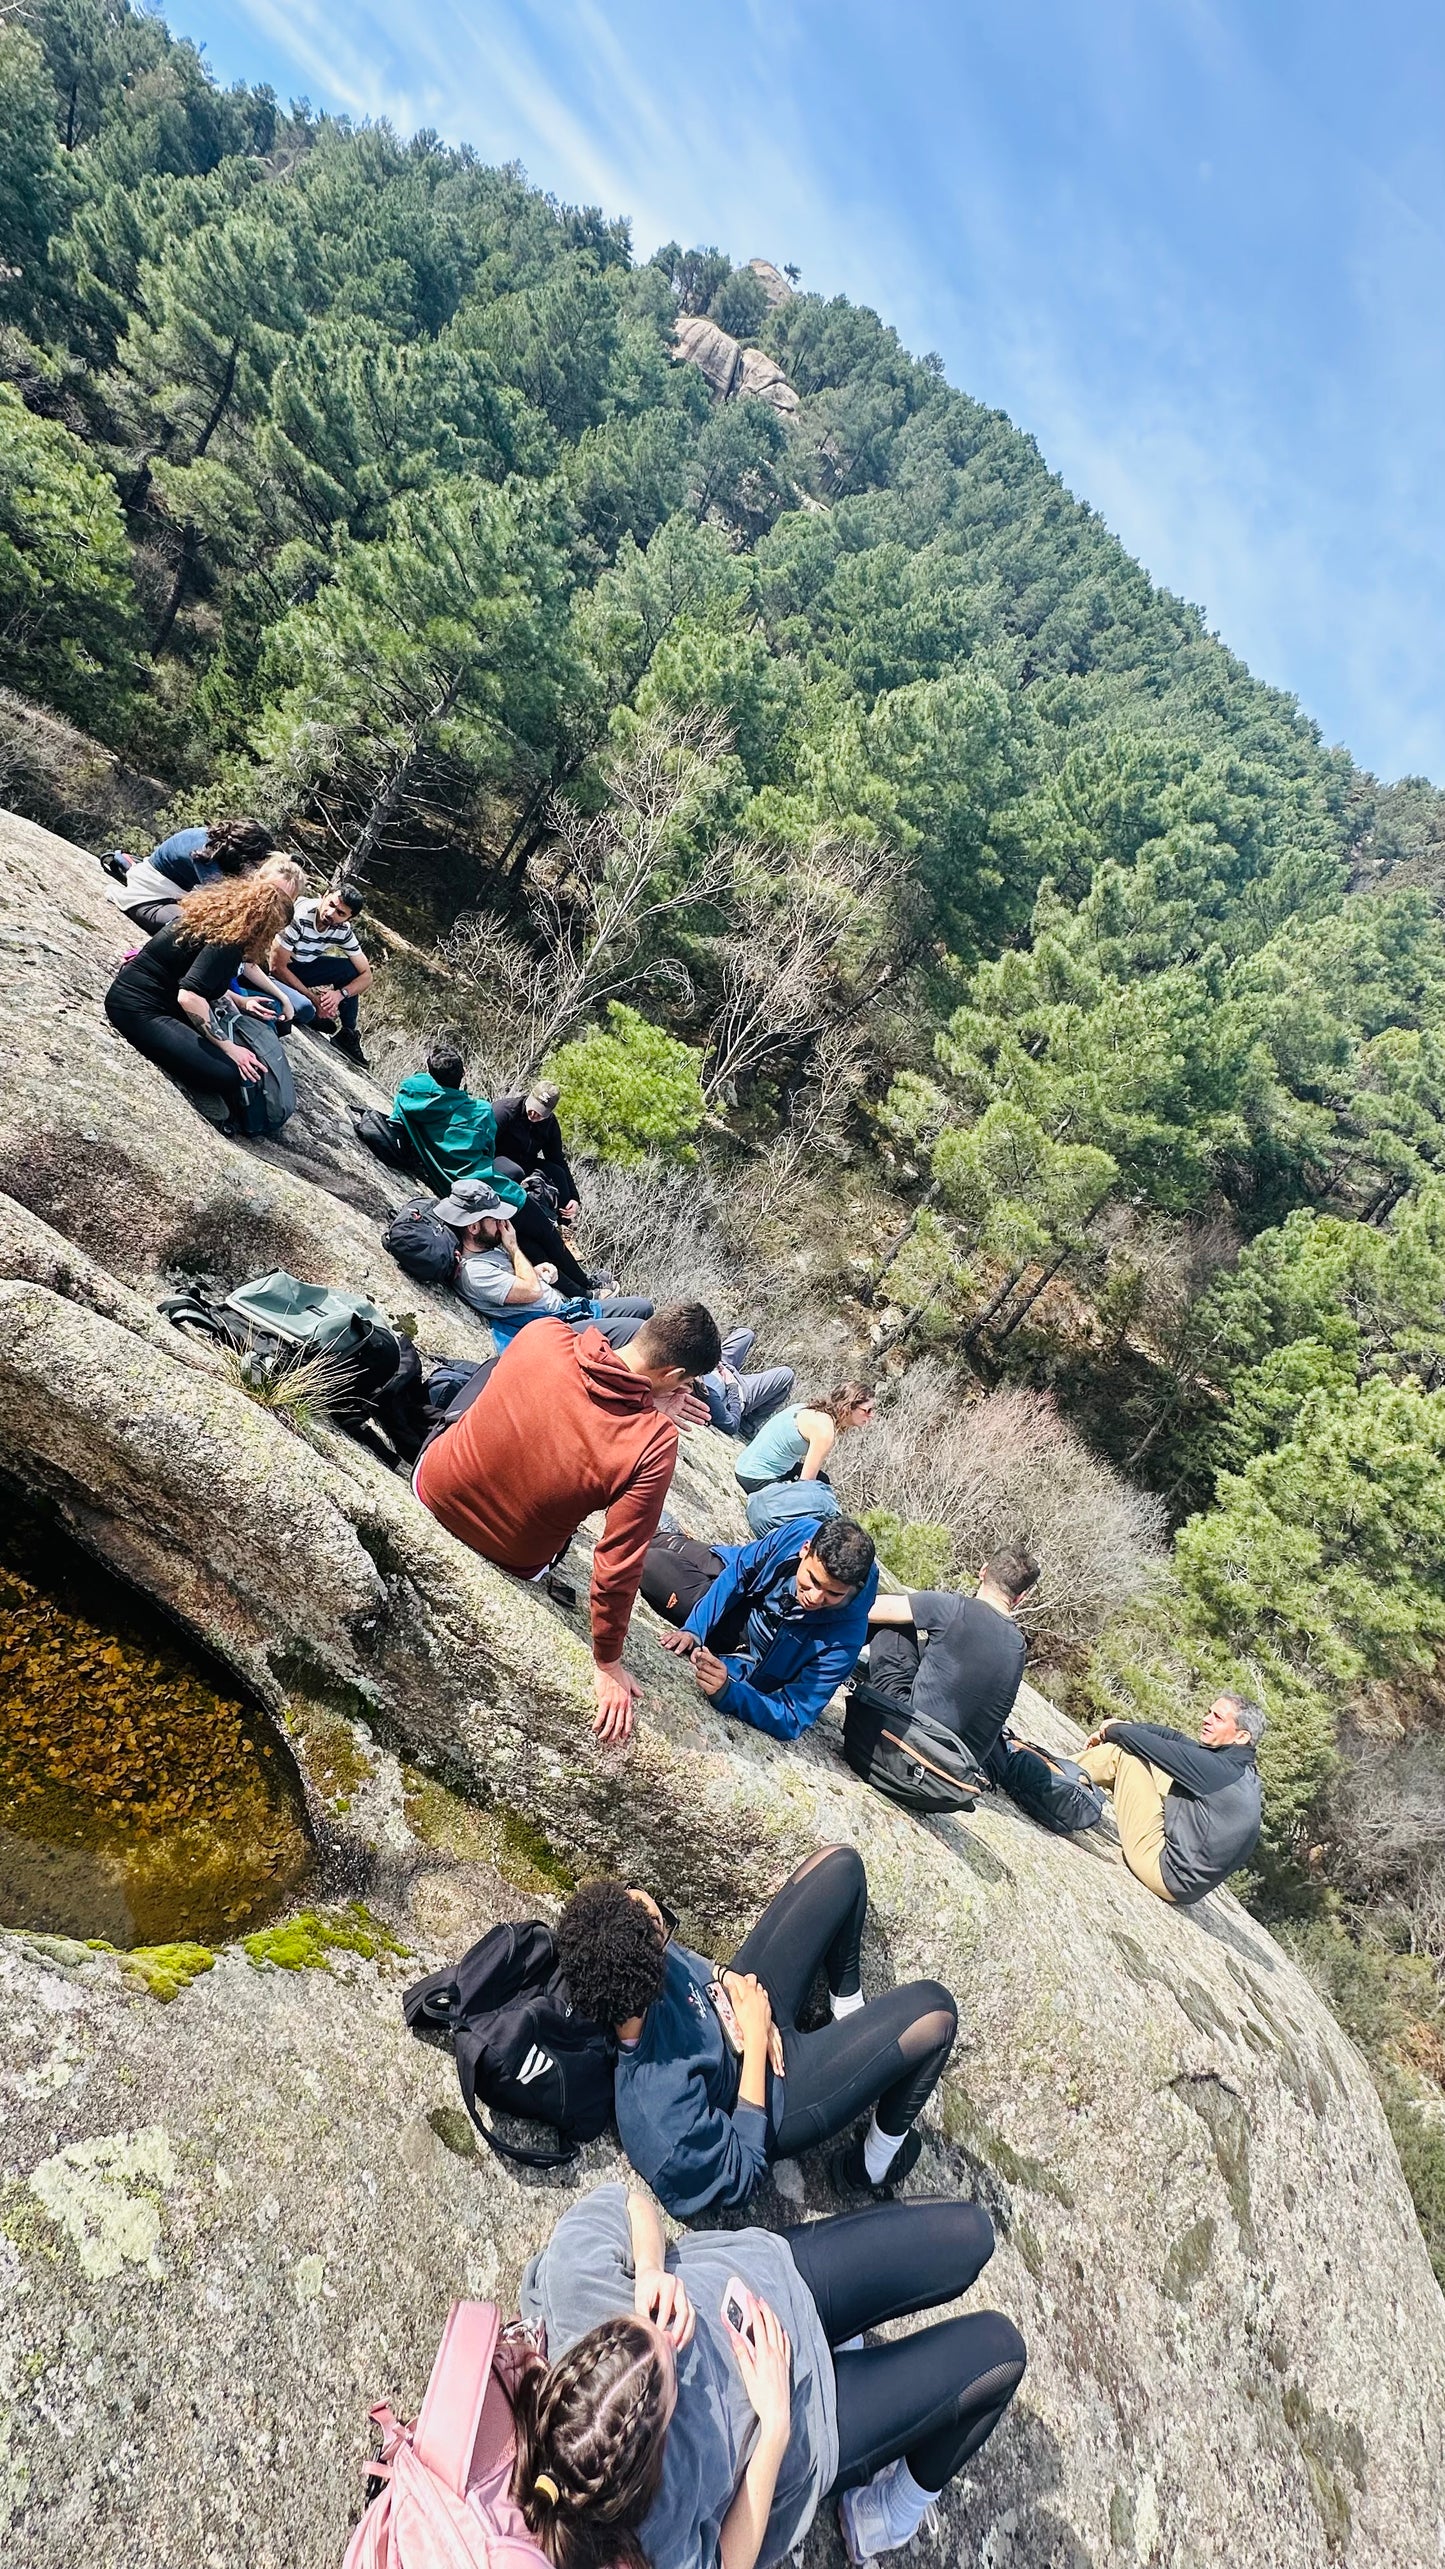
[(677, 2099), (790, 1662)]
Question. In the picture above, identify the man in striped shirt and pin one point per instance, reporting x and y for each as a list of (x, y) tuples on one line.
[(320, 953)]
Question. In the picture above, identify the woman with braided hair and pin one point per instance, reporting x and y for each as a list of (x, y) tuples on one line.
[(591, 2434), (701, 2400)]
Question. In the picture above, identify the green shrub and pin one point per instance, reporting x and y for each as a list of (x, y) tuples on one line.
[(916, 1554), (629, 1089)]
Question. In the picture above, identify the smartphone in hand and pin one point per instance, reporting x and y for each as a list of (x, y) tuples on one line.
[(726, 2016), (737, 2309)]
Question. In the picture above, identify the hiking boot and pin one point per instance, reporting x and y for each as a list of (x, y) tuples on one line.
[(348, 1041), (848, 2173)]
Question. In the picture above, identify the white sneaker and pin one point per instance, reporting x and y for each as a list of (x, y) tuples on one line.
[(879, 2517)]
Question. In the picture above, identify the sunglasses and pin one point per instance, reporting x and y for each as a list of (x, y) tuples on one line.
[(669, 1919)]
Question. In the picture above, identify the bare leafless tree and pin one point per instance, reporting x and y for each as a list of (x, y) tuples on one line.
[(813, 1128), (613, 887), (1007, 1468), (783, 972)]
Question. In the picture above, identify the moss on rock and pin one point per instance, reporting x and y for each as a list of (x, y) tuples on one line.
[(307, 1941)]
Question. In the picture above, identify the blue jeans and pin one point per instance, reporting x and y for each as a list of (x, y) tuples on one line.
[(328, 972), (738, 1403)]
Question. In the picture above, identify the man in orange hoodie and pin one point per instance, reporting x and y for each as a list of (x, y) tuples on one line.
[(566, 1425)]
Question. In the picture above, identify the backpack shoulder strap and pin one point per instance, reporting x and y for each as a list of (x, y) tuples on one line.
[(446, 2432)]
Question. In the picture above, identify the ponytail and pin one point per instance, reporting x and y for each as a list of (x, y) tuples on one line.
[(591, 2434)]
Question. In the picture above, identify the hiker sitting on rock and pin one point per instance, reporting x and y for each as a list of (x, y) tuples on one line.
[(959, 1660), (319, 960), (163, 997), (496, 1276), (714, 2079), (149, 893), (453, 1135), (566, 1426), (529, 1142), (739, 1403), (779, 1629), (1188, 1812), (701, 2400), (783, 1468)]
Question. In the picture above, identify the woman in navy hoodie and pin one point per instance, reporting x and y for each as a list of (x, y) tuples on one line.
[(715, 2079)]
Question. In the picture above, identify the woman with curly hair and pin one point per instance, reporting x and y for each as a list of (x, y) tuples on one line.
[(163, 999), (699, 2401)]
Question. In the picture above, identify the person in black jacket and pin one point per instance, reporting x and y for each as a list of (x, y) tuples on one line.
[(957, 1659), (1188, 1812), (529, 1137)]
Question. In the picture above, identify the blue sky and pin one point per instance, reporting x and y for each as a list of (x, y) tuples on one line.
[(1198, 250)]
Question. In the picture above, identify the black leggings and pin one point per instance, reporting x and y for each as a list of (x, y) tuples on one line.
[(540, 1238), (936, 2397), (176, 1046), (889, 2054)]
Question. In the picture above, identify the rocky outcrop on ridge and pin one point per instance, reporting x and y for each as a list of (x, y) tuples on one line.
[(730, 369), (230, 2223)]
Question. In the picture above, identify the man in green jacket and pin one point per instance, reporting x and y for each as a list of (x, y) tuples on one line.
[(453, 1135)]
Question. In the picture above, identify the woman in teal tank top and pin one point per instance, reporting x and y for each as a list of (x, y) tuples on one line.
[(795, 1443)]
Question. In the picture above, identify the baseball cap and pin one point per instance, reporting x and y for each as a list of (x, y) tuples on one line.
[(471, 1200)]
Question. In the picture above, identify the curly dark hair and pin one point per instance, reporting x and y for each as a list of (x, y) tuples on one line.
[(612, 1953)]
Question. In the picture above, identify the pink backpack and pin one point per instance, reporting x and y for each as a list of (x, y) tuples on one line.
[(447, 2502)]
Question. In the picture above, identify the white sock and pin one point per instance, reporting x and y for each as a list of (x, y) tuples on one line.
[(845, 2006), (880, 2149), (905, 2504)]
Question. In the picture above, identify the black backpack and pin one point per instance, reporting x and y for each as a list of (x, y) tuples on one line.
[(421, 1245), (1055, 1791), (518, 2046), (676, 1571), (915, 1761), (385, 1140)]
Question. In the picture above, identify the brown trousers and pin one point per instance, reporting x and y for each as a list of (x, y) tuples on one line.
[(1139, 1791)]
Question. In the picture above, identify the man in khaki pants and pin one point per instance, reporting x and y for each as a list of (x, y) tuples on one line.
[(1188, 1813)]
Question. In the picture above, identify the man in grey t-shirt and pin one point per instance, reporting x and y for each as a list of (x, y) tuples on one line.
[(498, 1278), (957, 1659)]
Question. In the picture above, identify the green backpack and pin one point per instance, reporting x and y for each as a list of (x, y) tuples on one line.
[(276, 1322)]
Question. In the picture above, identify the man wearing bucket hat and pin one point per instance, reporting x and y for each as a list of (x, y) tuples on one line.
[(1188, 1812), (496, 1276)]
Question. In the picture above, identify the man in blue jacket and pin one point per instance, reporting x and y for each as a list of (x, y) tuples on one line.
[(790, 1615), (1188, 1812)]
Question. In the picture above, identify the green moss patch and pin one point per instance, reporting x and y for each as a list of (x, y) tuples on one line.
[(307, 1941), (453, 2129)]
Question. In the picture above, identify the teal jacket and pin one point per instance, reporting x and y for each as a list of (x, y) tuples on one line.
[(452, 1134)]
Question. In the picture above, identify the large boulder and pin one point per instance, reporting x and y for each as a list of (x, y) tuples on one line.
[(728, 368), (231, 2222)]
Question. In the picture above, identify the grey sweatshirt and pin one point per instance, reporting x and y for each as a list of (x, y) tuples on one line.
[(584, 2275)]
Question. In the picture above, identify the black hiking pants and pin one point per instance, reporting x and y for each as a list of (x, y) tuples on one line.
[(934, 2398), (540, 1238), (888, 2055), (179, 1048)]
